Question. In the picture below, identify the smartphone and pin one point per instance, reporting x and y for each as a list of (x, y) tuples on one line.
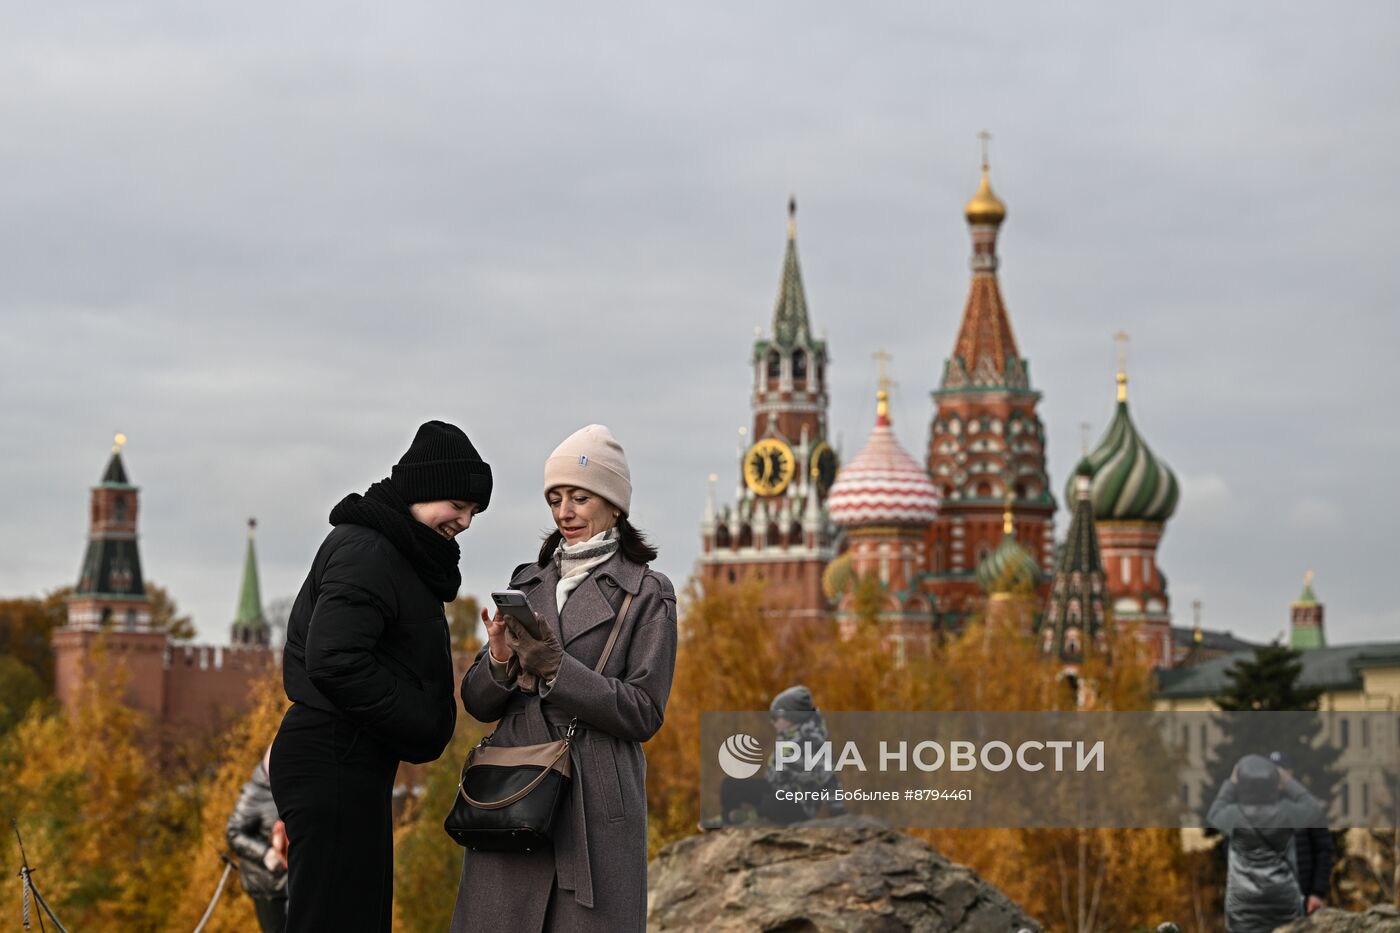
[(514, 604)]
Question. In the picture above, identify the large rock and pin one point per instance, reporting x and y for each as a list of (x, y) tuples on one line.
[(1381, 919), (845, 875)]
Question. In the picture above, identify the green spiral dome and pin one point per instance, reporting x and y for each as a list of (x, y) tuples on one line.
[(1008, 569), (1130, 482)]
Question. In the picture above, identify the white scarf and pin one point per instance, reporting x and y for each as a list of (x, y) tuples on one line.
[(576, 561)]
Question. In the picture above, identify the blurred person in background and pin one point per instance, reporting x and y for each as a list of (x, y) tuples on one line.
[(1258, 809), (262, 863)]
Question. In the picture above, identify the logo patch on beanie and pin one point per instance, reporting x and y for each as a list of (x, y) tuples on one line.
[(583, 459)]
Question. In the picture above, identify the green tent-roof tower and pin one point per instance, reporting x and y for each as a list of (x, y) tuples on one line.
[(249, 626)]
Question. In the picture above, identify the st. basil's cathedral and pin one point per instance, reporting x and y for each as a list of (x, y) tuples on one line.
[(971, 527)]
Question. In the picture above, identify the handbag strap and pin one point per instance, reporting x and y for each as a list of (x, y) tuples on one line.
[(607, 652), (612, 636), (461, 783)]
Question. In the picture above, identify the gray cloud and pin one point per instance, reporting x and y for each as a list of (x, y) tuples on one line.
[(265, 251)]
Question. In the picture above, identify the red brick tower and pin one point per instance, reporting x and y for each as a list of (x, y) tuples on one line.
[(986, 438), (110, 599), (778, 528)]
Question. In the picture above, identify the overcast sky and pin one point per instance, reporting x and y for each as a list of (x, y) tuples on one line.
[(266, 247)]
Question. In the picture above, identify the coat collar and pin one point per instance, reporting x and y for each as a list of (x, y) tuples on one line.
[(591, 604)]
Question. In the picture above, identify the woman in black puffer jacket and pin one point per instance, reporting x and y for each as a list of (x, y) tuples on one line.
[(368, 667)]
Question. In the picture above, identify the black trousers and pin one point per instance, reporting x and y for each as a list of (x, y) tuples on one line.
[(271, 913), (333, 785)]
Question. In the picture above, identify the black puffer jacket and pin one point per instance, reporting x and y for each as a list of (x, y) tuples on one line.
[(249, 833), (368, 640)]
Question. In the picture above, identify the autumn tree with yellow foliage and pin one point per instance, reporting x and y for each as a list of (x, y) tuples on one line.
[(733, 656), (241, 749), (100, 824)]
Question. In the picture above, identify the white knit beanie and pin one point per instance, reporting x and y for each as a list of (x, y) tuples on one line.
[(591, 459)]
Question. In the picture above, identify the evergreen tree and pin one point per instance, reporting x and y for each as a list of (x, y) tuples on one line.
[(1268, 682)]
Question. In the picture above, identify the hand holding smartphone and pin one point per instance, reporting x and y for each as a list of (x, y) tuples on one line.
[(513, 603)]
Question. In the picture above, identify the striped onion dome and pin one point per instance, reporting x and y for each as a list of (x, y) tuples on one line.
[(1130, 482), (883, 484), (1010, 568)]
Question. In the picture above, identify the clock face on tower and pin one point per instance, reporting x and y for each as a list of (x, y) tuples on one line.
[(769, 466), (823, 467)]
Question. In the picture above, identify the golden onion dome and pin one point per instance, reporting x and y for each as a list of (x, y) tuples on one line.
[(985, 207)]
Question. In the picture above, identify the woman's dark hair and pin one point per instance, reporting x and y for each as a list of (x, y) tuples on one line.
[(634, 544)]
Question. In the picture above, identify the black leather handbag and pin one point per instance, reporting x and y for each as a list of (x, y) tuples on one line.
[(507, 796)]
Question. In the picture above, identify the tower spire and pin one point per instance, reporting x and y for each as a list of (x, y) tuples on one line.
[(249, 626), (985, 356), (1075, 617), (790, 324), (115, 474)]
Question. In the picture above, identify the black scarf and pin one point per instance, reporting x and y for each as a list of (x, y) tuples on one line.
[(433, 557)]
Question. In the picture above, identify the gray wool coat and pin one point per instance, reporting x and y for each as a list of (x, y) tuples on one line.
[(595, 876)]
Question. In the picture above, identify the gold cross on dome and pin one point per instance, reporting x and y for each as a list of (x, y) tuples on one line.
[(986, 139), (882, 378), (1121, 338)]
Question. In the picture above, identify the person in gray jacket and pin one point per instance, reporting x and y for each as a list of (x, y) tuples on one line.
[(593, 879), (262, 870), (1258, 809)]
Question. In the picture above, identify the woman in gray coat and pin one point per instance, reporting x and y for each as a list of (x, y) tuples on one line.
[(594, 878), (1258, 810)]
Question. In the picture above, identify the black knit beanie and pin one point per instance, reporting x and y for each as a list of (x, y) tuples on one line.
[(442, 464)]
